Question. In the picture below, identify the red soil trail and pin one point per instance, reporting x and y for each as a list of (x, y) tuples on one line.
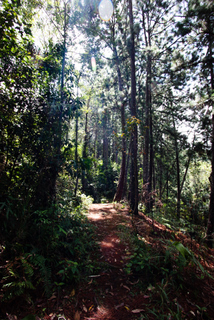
[(111, 295)]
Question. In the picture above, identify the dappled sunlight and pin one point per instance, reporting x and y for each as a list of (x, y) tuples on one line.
[(107, 244), (105, 211)]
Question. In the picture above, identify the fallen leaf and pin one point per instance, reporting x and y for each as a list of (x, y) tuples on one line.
[(91, 307), (72, 293), (127, 308), (77, 315), (146, 297), (119, 305), (133, 282), (84, 308), (137, 310), (126, 288)]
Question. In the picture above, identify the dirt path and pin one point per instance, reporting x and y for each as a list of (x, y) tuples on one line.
[(111, 294), (109, 220)]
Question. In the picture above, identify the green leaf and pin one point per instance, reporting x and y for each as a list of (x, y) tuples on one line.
[(183, 250)]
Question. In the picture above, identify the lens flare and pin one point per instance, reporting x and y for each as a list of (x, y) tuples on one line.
[(106, 9), (93, 64)]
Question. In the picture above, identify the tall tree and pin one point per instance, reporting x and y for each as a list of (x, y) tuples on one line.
[(121, 183), (133, 109)]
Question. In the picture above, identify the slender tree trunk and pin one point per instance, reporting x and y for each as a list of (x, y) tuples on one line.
[(148, 158), (76, 152), (187, 165), (95, 141), (76, 137), (178, 172), (126, 172), (160, 170), (84, 151), (85, 144), (210, 225), (105, 140), (120, 187), (62, 77), (166, 185), (151, 152), (134, 168)]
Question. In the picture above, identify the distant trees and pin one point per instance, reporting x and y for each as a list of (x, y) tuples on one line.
[(198, 25)]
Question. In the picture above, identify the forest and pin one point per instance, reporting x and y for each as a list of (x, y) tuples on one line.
[(105, 102)]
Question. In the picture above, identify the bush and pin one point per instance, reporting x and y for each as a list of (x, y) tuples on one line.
[(49, 248)]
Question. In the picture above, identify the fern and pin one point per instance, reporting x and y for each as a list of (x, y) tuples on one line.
[(18, 278), (44, 271)]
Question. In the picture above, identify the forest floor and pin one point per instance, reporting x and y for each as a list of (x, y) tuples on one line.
[(114, 292)]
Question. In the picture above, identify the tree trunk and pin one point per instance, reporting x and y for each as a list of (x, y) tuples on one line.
[(178, 172), (134, 168), (95, 140), (85, 143), (210, 225), (126, 172), (160, 170), (120, 187), (76, 152), (84, 151), (148, 162), (105, 140)]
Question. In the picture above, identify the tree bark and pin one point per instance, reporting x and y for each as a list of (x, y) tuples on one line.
[(178, 172), (105, 140), (148, 158), (134, 168), (210, 225), (76, 151), (84, 151), (120, 187)]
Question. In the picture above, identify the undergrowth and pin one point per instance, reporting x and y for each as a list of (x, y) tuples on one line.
[(164, 271), (46, 250)]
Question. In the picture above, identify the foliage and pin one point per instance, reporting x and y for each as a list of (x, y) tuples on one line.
[(162, 270), (53, 251), (105, 182)]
